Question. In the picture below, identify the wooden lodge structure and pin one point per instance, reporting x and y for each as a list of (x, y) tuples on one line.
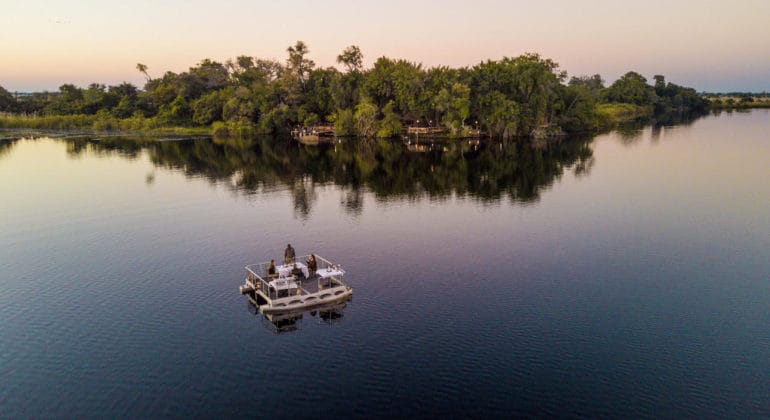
[(431, 131), (319, 133)]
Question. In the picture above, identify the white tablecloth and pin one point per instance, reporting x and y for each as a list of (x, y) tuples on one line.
[(285, 270), (283, 284), (325, 272)]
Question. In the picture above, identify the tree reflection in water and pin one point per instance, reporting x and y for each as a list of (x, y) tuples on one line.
[(391, 170), (6, 145)]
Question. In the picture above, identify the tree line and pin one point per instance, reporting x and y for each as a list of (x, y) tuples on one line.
[(503, 98)]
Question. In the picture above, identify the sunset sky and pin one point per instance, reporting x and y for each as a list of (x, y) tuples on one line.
[(711, 45)]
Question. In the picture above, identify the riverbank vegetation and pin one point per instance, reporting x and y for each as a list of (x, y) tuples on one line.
[(100, 122), (738, 100), (511, 97)]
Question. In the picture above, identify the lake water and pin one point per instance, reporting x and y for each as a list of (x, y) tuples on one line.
[(626, 275)]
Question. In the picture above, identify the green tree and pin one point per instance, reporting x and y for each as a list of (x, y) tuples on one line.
[(660, 84), (275, 120), (95, 98), (7, 101), (390, 126), (394, 80), (208, 108), (177, 112), (631, 88), (311, 120), (346, 89), (211, 75), (514, 95), (68, 101), (351, 58), (344, 123), (125, 108), (500, 115), (160, 92), (428, 106), (366, 119), (143, 69), (269, 70), (297, 63), (579, 114), (453, 106), (319, 91), (293, 80), (240, 107), (125, 97), (594, 84)]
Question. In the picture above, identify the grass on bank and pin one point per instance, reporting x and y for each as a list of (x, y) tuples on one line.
[(734, 102), (97, 123), (613, 113)]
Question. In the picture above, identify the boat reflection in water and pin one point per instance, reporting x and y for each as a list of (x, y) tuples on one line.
[(283, 294), (283, 322)]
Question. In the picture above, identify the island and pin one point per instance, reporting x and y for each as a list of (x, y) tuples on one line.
[(524, 96)]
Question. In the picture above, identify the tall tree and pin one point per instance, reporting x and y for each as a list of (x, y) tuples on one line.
[(631, 88), (351, 58), (366, 119), (143, 69), (212, 75), (297, 62), (594, 84), (294, 79), (390, 125), (660, 83)]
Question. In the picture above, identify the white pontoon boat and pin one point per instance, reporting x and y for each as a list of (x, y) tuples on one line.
[(289, 289)]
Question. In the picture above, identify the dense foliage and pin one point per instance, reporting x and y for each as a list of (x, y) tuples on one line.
[(504, 98), (738, 100)]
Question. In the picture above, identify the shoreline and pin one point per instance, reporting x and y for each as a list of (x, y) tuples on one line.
[(608, 116)]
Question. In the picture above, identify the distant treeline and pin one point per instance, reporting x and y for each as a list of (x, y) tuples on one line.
[(736, 95), (504, 98), (738, 100)]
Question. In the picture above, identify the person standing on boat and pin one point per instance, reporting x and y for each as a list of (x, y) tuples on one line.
[(312, 265), (289, 255)]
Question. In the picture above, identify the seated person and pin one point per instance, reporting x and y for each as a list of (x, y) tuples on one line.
[(312, 265), (272, 272), (296, 272)]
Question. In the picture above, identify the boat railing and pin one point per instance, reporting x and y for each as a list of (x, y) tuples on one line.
[(323, 263), (260, 281), (328, 266), (258, 272)]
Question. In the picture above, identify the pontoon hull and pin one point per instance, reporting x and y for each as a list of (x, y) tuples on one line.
[(291, 303)]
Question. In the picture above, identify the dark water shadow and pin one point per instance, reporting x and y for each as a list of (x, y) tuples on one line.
[(392, 170)]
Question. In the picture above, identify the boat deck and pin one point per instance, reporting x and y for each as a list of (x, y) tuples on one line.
[(294, 286)]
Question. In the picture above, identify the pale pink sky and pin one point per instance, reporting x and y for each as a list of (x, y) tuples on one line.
[(707, 44)]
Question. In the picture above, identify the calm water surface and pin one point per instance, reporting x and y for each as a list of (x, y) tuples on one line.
[(625, 275)]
